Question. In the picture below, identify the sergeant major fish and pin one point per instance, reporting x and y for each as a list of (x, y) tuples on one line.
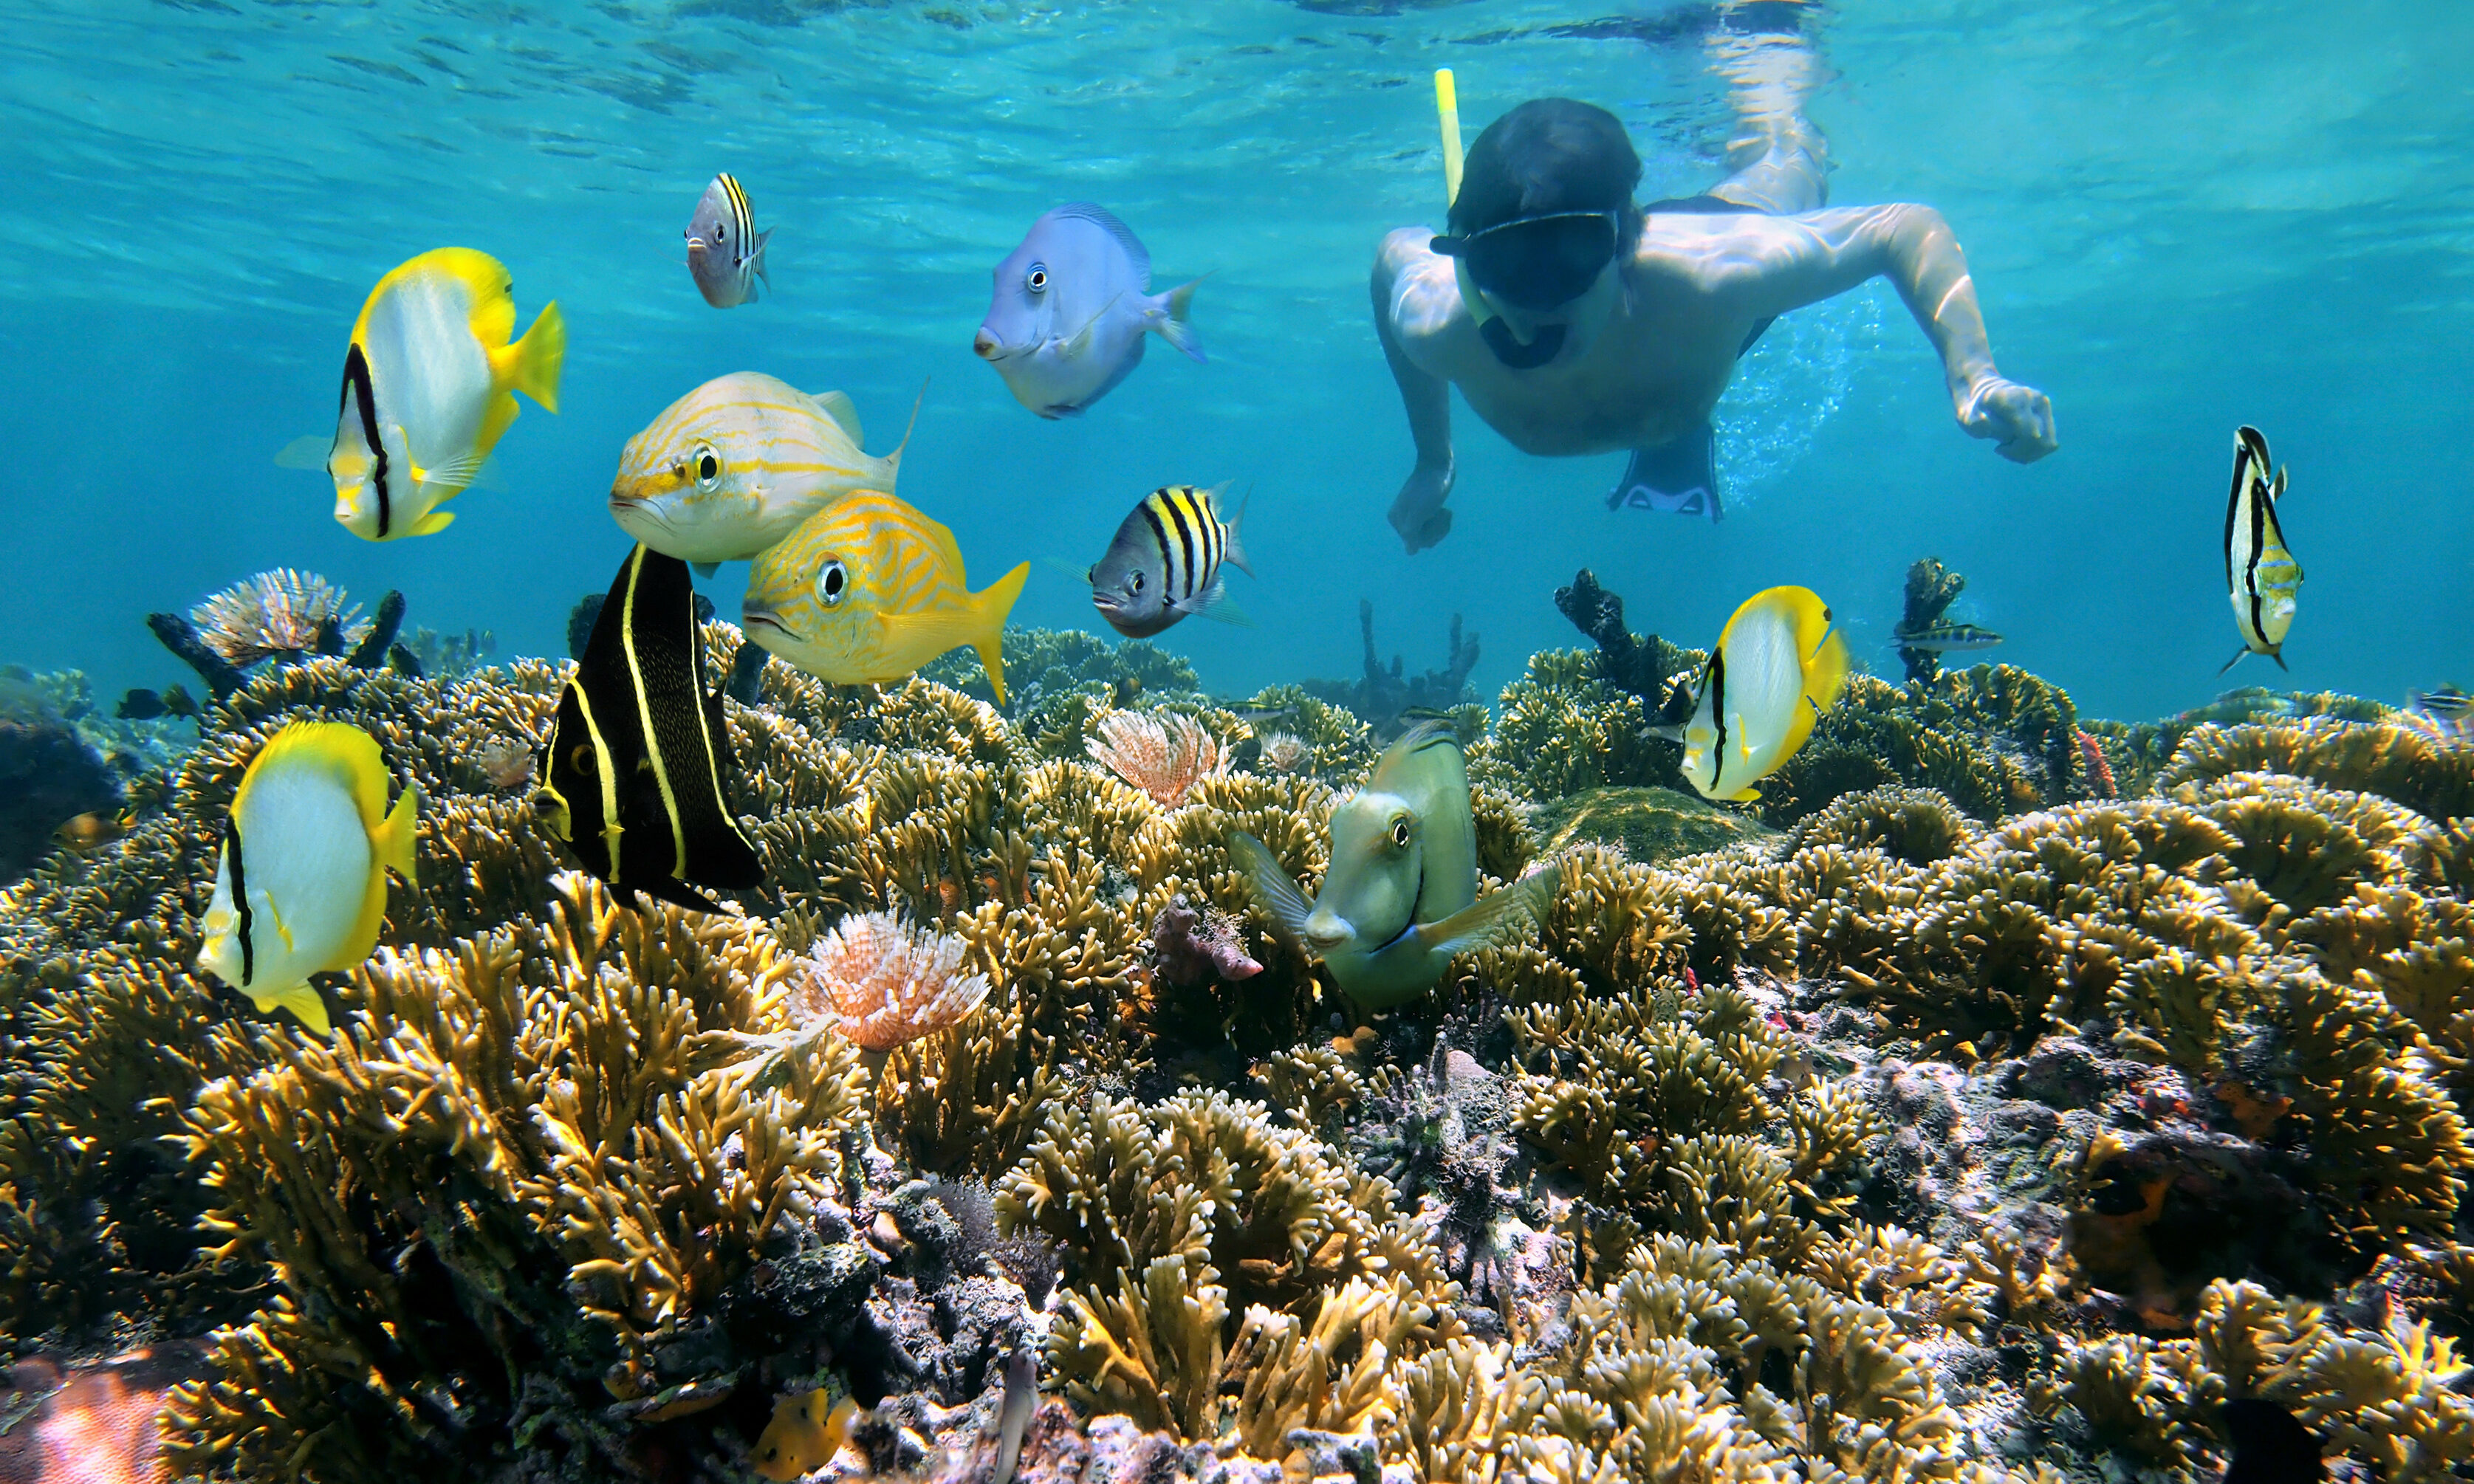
[(2262, 578), (429, 384), (1070, 309), (302, 888), (868, 590), (1400, 895), (636, 769), (1777, 667), (733, 467), (1165, 562), (725, 251)]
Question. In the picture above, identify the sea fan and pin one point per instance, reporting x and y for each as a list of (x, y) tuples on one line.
[(1163, 760), (882, 982), (279, 613)]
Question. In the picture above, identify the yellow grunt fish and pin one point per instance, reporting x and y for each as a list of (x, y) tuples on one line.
[(868, 590), (303, 885), (803, 1436), (429, 384), (1778, 666), (733, 467)]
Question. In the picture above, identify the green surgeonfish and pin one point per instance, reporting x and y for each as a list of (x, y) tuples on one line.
[(1400, 896)]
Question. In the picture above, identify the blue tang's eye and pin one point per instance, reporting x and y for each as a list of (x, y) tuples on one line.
[(1037, 278)]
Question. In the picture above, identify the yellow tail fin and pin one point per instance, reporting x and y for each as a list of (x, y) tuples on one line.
[(539, 356), (396, 842), (992, 606)]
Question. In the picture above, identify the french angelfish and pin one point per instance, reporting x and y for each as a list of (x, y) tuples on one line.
[(636, 773), (733, 467), (1400, 896), (1779, 665), (2261, 576), (868, 590), (302, 888), (725, 251), (429, 384), (1071, 307), (1165, 562), (805, 1434)]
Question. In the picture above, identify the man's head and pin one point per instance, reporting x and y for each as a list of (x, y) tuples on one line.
[(1544, 206)]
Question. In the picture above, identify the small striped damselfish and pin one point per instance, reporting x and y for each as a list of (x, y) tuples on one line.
[(636, 771), (2262, 578), (1165, 562), (725, 251)]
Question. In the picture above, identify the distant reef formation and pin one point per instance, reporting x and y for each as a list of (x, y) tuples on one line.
[(1953, 1114)]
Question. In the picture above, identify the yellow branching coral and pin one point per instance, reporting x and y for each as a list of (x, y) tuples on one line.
[(881, 982), (1163, 757)]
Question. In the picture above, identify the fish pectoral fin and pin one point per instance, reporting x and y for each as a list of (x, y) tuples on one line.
[(1166, 313), (1273, 890), (1491, 916), (1081, 340), (308, 453), (1214, 603), (453, 474)]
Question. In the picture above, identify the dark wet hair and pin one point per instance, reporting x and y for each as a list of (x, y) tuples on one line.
[(1546, 155)]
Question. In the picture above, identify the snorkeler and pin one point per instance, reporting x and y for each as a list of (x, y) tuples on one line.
[(1567, 345)]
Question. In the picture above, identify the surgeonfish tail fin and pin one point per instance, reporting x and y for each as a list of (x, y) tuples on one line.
[(992, 607), (397, 839), (1274, 888), (1234, 551), (2235, 660), (1167, 316), (539, 356)]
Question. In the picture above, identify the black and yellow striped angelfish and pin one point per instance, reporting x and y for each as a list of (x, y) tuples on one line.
[(637, 766), (1165, 562), (2260, 575)]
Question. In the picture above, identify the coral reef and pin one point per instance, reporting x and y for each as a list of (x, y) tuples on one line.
[(1940, 1122), (1382, 694), (1932, 588)]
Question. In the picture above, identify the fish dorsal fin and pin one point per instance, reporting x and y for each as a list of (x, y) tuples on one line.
[(838, 406), (1416, 739), (1102, 218)]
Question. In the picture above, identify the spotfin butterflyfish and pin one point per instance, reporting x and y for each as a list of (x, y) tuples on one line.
[(638, 764), (1400, 896), (2261, 576), (1779, 665), (302, 888), (429, 384)]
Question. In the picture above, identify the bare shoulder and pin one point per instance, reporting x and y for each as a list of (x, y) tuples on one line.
[(1417, 285)]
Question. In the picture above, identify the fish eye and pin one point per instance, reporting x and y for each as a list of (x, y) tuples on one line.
[(1400, 834), (708, 466), (833, 584), (580, 758), (1038, 279), (1134, 583)]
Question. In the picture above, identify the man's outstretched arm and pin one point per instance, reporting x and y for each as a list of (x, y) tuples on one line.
[(1827, 252), (1418, 512)]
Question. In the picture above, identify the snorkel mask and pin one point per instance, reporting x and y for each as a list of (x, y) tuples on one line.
[(1534, 263)]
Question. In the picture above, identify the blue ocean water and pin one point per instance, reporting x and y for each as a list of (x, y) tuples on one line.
[(2179, 216)]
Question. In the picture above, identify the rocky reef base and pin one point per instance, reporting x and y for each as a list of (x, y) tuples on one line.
[(1943, 1117)]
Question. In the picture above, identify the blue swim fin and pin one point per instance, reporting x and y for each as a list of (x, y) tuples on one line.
[(1681, 477)]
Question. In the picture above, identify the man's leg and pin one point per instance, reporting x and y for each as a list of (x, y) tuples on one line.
[(1779, 159)]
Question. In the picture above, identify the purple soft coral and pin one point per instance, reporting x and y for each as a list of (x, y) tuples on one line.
[(1189, 947)]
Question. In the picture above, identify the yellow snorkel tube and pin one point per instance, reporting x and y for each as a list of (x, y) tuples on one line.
[(1447, 112)]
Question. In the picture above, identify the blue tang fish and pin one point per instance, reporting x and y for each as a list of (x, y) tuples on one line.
[(1071, 307)]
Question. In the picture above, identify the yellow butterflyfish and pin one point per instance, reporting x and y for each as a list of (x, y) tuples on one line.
[(302, 887), (803, 1435), (1779, 665)]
